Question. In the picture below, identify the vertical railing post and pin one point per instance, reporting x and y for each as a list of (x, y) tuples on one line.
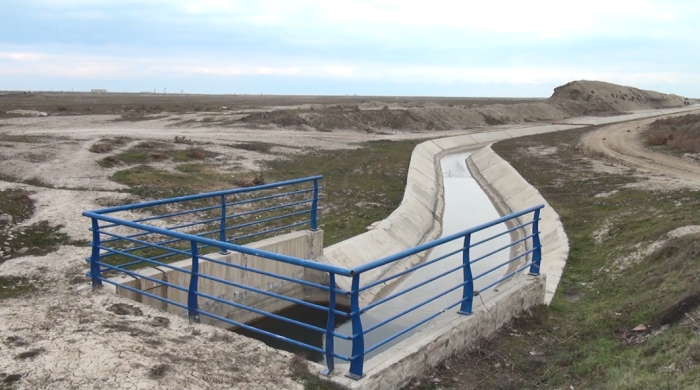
[(222, 231), (192, 307), (314, 207), (358, 337), (468, 291), (95, 272), (330, 327), (536, 245)]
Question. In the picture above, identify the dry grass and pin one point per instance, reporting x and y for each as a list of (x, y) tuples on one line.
[(181, 139), (158, 156), (300, 371), (249, 181), (681, 133), (110, 161), (656, 139), (158, 371), (196, 153), (101, 148)]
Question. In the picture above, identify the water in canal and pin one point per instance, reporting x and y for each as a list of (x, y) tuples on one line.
[(466, 205)]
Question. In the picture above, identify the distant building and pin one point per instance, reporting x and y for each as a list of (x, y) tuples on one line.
[(99, 91)]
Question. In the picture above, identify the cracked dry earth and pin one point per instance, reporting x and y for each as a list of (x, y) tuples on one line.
[(68, 337)]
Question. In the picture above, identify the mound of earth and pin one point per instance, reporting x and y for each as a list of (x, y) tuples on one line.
[(573, 99), (602, 97)]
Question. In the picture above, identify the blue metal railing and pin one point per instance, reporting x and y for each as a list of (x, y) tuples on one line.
[(170, 240), (210, 215)]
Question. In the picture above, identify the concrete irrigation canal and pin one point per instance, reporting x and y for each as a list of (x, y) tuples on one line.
[(471, 244)]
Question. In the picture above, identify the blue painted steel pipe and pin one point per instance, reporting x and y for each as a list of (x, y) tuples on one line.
[(233, 247), (192, 306), (314, 207), (222, 224), (537, 255), (95, 258), (358, 342), (468, 291), (206, 195), (330, 326)]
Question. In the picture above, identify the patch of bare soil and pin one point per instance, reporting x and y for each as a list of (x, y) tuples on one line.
[(67, 338), (623, 143)]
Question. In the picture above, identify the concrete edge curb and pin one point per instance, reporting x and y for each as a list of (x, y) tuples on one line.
[(556, 251)]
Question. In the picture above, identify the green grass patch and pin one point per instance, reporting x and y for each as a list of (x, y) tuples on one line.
[(153, 151), (16, 203), (14, 286), (138, 117), (255, 146), (361, 185), (29, 139), (37, 239), (150, 182), (300, 373)]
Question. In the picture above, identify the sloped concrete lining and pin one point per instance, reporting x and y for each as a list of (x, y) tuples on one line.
[(495, 174)]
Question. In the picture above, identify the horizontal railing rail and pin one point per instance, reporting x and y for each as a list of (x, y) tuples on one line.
[(234, 216), (138, 243), (206, 195)]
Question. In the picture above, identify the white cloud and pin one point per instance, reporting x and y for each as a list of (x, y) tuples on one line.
[(544, 18), (17, 56), (127, 68)]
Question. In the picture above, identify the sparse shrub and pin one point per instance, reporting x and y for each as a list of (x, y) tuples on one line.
[(656, 139), (110, 161), (259, 180), (119, 140), (685, 143), (101, 148), (146, 145), (24, 198), (158, 156), (196, 153), (181, 139), (158, 371), (681, 133), (247, 181), (30, 354)]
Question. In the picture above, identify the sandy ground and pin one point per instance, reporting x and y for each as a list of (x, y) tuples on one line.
[(622, 144), (63, 336)]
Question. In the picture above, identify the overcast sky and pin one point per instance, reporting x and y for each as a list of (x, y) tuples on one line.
[(364, 47)]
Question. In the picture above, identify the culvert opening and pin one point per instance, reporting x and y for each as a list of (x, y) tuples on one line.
[(304, 314)]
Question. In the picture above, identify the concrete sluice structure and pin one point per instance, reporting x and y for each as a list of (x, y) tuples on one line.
[(420, 218)]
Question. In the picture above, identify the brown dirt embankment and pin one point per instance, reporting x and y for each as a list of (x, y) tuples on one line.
[(363, 114), (597, 97)]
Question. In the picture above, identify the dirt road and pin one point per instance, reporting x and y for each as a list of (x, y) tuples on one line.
[(623, 142)]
